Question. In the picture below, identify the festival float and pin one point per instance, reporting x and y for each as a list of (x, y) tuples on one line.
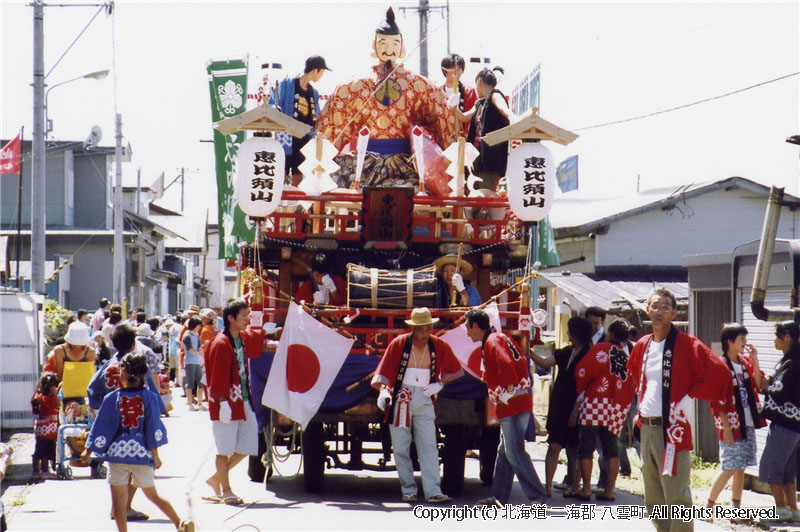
[(386, 193)]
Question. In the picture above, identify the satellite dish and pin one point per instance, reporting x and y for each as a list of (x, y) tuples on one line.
[(95, 135)]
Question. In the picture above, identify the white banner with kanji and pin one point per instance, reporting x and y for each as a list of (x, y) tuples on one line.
[(261, 175), (531, 176), (308, 358)]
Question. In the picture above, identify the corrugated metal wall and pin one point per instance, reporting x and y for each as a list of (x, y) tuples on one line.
[(20, 334)]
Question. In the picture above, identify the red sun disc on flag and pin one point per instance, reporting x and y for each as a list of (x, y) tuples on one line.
[(302, 368)]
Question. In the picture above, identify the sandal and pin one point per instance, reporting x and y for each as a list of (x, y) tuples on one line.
[(136, 515), (211, 498), (186, 526), (231, 499), (569, 494)]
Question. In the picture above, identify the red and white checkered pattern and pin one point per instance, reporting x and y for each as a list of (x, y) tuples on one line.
[(602, 412)]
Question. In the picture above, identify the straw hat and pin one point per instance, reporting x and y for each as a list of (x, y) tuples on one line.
[(77, 334), (420, 317), (193, 309), (208, 314), (466, 267)]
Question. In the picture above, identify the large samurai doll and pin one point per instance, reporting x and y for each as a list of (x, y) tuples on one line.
[(390, 103)]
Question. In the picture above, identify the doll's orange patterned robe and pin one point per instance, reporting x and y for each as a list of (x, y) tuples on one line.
[(401, 101)]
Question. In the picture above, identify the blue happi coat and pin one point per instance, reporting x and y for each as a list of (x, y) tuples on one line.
[(106, 380), (127, 426)]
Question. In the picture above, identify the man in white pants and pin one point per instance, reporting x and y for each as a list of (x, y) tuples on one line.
[(414, 368)]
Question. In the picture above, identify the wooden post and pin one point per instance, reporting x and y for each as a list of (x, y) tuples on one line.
[(317, 223), (458, 212), (285, 280), (460, 169), (454, 293)]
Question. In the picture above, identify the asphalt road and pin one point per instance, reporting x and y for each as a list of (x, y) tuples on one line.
[(362, 500)]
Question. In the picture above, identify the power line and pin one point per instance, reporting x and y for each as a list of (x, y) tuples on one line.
[(76, 39), (688, 104)]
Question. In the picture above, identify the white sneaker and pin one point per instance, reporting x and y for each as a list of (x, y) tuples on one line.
[(192, 407), (784, 514), (202, 407)]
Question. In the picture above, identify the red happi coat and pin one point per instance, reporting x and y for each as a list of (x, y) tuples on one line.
[(697, 373), (727, 407), (222, 371), (501, 369), (306, 291), (447, 365), (608, 389)]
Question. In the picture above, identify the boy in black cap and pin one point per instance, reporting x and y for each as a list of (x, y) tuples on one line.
[(299, 99)]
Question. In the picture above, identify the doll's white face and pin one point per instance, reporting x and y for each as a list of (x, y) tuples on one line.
[(388, 47)]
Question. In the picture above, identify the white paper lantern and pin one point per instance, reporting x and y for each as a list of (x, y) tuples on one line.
[(531, 174), (262, 171)]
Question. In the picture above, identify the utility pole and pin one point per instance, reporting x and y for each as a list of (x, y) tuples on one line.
[(18, 242), (447, 9), (39, 166), (424, 8), (39, 169), (138, 188), (182, 187), (423, 36), (119, 247)]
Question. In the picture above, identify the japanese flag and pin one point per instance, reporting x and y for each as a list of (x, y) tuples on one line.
[(467, 351), (308, 358)]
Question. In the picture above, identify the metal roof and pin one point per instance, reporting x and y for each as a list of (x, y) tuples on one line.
[(574, 215), (189, 236), (610, 295)]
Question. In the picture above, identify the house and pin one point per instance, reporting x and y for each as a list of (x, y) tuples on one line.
[(658, 237), (79, 232), (644, 236)]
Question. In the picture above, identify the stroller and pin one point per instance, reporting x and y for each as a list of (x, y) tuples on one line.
[(76, 421)]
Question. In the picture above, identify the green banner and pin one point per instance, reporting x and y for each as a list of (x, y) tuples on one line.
[(227, 82), (548, 253)]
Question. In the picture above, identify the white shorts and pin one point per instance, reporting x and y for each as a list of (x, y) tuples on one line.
[(237, 436), (141, 476)]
